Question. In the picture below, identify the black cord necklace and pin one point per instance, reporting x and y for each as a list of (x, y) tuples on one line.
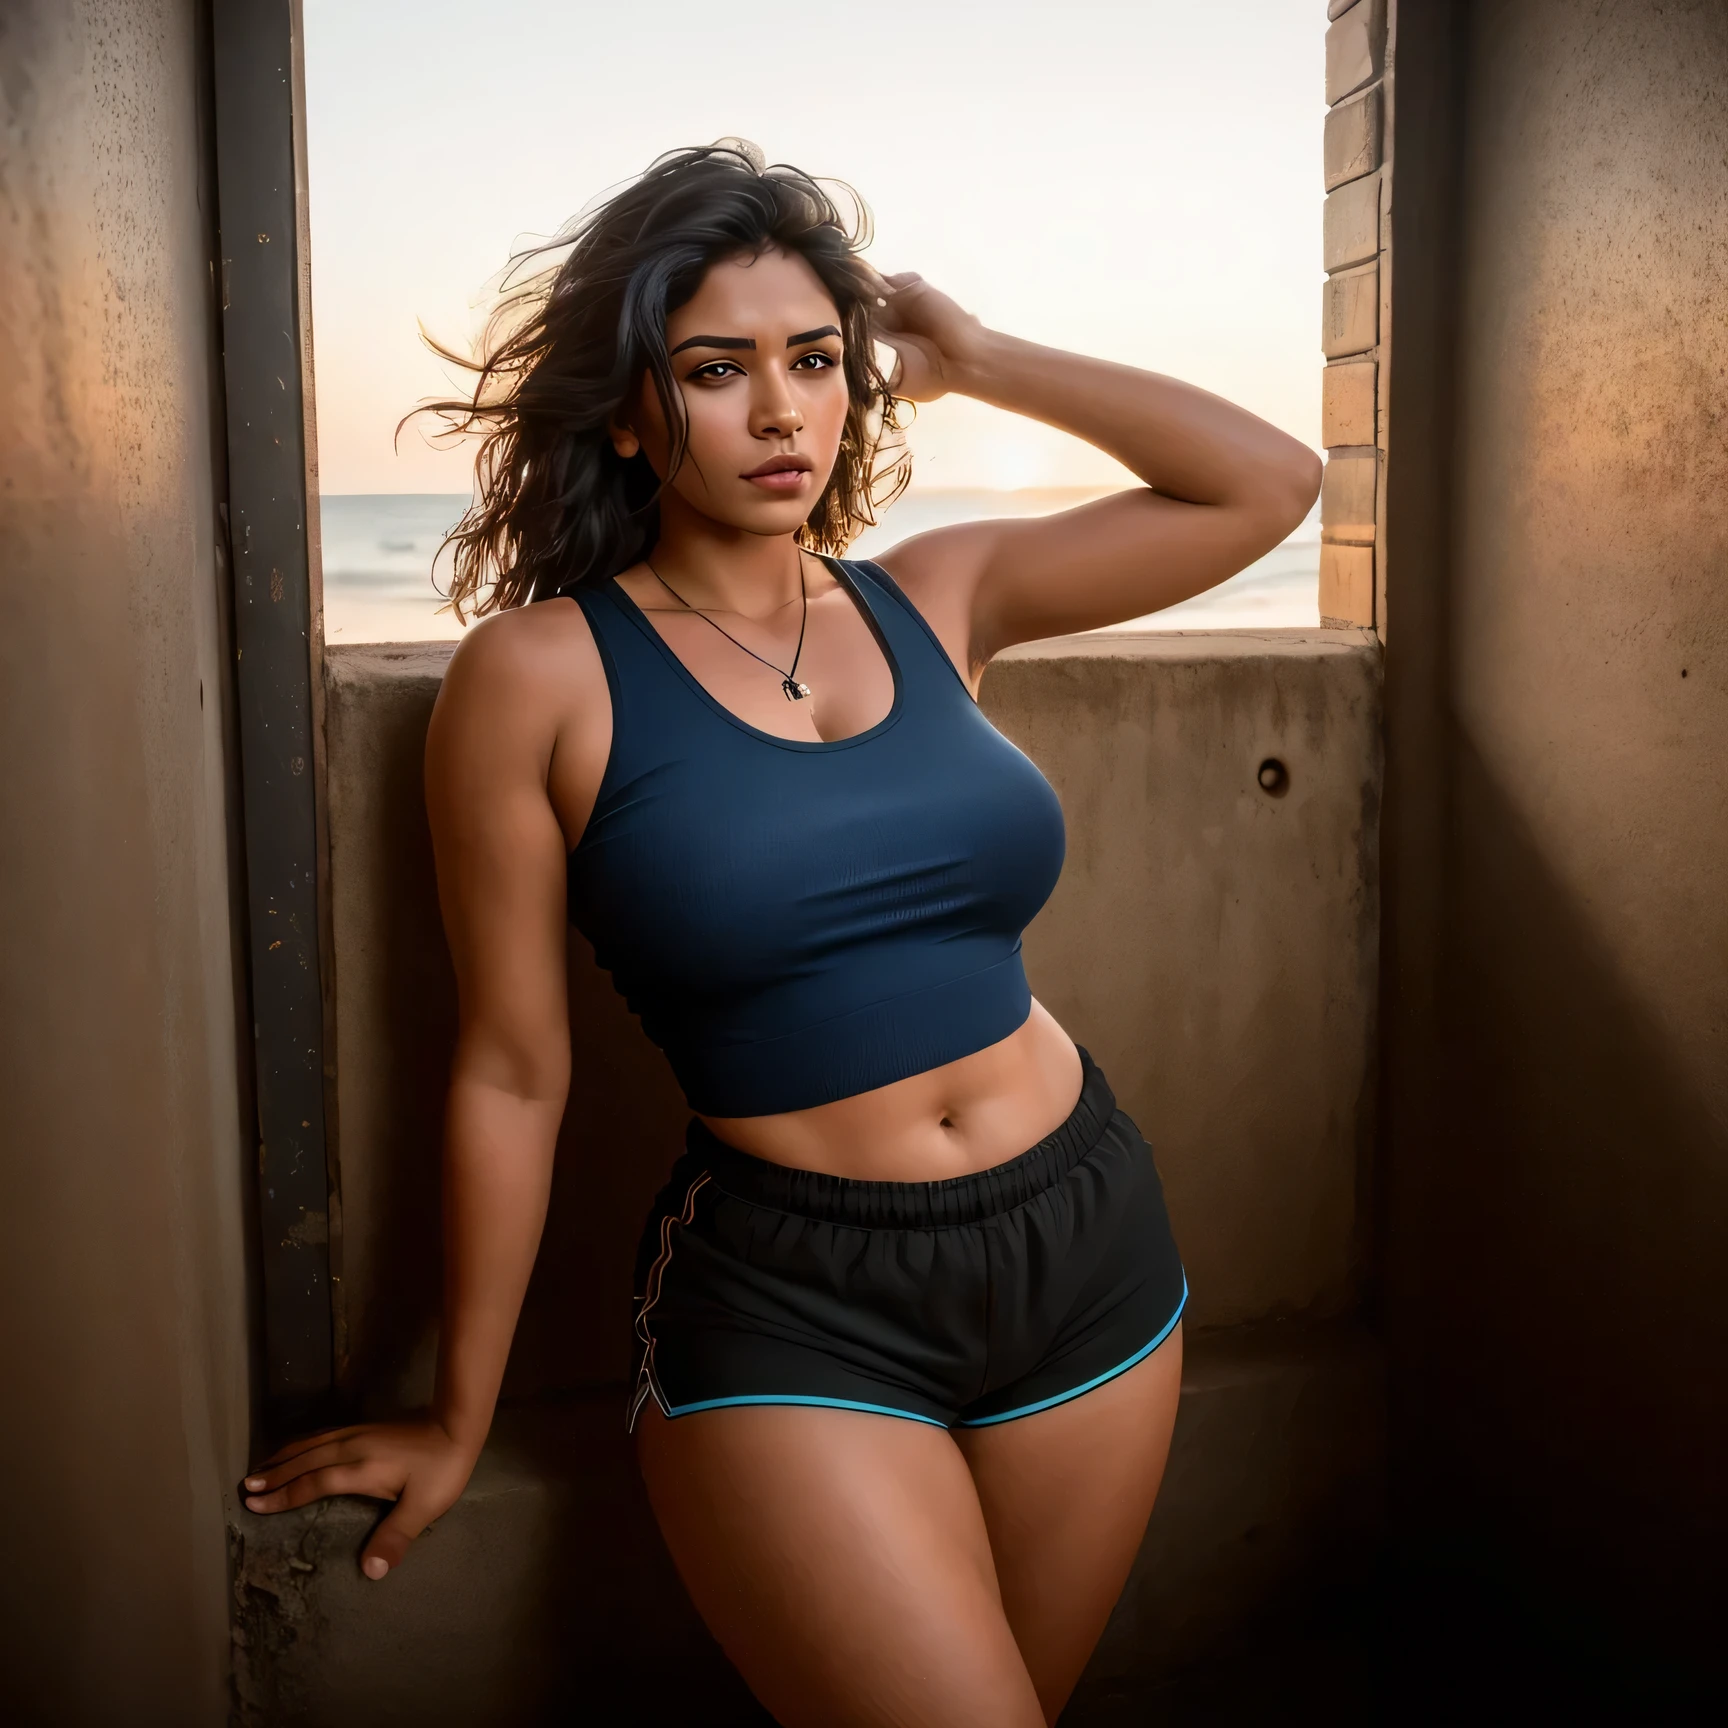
[(795, 692)]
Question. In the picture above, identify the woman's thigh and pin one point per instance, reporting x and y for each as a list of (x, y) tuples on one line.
[(842, 1561), (1065, 1496)]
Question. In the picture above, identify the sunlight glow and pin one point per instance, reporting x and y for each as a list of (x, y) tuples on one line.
[(1138, 179)]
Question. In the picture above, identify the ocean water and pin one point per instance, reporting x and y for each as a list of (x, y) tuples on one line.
[(379, 547)]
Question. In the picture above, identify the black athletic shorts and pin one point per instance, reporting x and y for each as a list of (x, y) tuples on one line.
[(969, 1301)]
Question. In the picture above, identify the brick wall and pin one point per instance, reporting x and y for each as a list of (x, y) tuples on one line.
[(1354, 321)]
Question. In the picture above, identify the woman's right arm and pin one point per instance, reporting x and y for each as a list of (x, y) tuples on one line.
[(500, 858)]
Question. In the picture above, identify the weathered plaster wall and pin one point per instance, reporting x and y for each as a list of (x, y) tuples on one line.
[(1214, 944), (1557, 1245), (123, 1368)]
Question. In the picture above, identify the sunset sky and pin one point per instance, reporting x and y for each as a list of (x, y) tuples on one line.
[(1134, 178)]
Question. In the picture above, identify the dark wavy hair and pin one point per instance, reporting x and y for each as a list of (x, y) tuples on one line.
[(569, 343)]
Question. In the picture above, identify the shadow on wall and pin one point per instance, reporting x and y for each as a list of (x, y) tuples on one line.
[(1560, 1276)]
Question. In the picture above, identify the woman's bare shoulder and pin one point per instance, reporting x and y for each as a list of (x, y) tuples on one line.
[(532, 666), (524, 714), (937, 571)]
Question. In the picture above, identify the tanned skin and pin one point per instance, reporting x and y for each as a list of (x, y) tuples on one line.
[(857, 1569)]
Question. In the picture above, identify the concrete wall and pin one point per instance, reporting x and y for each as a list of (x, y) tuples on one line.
[(1213, 942), (123, 1367), (1559, 1159)]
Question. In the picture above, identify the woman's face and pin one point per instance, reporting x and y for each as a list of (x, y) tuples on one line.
[(756, 354)]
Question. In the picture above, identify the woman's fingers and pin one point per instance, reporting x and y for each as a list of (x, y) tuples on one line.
[(416, 1464), (887, 285), (391, 1540), (890, 282), (897, 294), (369, 1480), (306, 1442), (313, 1458)]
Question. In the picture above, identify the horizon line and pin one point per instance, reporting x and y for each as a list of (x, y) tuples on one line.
[(924, 491)]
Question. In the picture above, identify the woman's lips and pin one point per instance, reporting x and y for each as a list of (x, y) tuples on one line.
[(780, 479)]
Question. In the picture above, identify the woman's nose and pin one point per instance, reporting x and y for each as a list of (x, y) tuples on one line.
[(775, 413)]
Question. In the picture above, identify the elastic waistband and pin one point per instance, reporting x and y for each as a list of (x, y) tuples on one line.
[(913, 1205)]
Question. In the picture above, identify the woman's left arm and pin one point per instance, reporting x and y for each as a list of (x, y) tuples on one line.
[(1221, 486)]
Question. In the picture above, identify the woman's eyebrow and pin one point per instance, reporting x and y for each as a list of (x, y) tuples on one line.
[(750, 341), (722, 342)]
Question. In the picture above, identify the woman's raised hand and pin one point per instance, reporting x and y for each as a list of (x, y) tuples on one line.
[(934, 339), (416, 1464)]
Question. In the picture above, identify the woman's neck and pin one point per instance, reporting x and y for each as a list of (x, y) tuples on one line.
[(723, 569)]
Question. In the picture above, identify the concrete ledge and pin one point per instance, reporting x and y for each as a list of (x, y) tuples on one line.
[(1213, 944), (545, 1595)]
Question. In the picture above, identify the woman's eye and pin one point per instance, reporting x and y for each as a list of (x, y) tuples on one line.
[(814, 361), (716, 369)]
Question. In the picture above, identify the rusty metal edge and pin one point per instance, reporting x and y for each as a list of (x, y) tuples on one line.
[(266, 355)]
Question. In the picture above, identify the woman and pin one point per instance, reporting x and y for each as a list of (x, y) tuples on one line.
[(908, 1311)]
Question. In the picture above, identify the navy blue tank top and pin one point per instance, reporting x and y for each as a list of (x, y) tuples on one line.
[(797, 922)]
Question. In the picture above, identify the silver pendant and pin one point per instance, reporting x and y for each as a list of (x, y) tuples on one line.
[(795, 692)]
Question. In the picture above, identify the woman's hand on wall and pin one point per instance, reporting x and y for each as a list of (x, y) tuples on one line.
[(416, 1464)]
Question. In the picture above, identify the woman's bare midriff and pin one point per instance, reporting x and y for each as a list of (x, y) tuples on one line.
[(965, 1116)]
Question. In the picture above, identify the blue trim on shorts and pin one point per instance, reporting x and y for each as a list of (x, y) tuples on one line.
[(822, 1403), (1139, 1355)]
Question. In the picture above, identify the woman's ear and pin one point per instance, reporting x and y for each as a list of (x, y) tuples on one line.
[(624, 441)]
